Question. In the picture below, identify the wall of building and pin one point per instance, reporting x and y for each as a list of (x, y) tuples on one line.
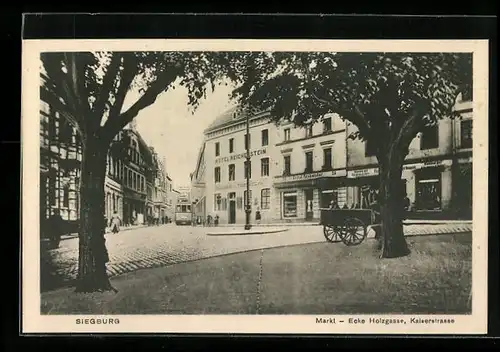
[(218, 194)]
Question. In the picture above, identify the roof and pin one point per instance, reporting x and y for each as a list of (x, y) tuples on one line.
[(227, 118)]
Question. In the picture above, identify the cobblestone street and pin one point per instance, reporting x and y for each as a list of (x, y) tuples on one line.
[(169, 244)]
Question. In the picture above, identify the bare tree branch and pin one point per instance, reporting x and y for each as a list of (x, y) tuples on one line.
[(117, 123), (127, 76)]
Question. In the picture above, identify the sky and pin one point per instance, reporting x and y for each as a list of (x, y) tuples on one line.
[(174, 131)]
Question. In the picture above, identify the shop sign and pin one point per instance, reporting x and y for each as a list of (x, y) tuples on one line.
[(311, 176), (362, 173), (237, 185), (226, 159)]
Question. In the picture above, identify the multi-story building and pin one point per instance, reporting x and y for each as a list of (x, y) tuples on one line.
[(311, 166), (428, 169), (198, 185), (225, 172), (60, 161)]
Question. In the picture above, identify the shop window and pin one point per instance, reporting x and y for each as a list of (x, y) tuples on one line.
[(265, 137), (428, 191), (231, 145), (287, 162), (232, 172), (429, 138), (309, 162), (265, 198), (217, 174), (217, 149), (466, 134), (289, 205), (327, 159), (264, 167)]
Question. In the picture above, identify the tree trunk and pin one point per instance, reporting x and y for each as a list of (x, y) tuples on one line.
[(391, 206), (93, 255)]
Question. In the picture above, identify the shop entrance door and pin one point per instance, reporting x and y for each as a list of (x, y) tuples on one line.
[(309, 204), (232, 208)]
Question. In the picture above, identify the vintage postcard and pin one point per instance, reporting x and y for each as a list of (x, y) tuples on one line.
[(255, 186)]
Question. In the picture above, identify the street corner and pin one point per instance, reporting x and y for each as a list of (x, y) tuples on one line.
[(240, 231)]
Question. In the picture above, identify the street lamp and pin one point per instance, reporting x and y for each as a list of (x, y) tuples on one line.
[(248, 209)]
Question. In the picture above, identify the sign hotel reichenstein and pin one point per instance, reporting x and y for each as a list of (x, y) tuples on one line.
[(226, 159)]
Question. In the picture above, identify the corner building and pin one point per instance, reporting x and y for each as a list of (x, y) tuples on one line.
[(225, 166), (311, 169)]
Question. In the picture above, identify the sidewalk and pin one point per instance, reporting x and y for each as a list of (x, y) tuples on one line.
[(108, 230), (319, 278)]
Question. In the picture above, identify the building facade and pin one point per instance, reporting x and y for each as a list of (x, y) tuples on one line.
[(311, 169), (198, 186), (60, 162), (130, 165), (428, 170), (226, 167)]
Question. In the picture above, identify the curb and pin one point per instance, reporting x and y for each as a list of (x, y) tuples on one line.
[(247, 232)]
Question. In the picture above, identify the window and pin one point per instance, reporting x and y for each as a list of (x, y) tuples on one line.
[(217, 174), (245, 197), (286, 134), (309, 161), (265, 137), (264, 167), (65, 193), (231, 145), (265, 198), (327, 125), (248, 141), (232, 172), (248, 169), (290, 205), (429, 138), (370, 149), (287, 162), (309, 131), (327, 158), (52, 189), (217, 149), (466, 134)]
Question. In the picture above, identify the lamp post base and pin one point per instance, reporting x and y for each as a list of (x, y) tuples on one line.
[(247, 222)]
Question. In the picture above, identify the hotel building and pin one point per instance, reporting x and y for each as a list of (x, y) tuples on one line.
[(226, 168)]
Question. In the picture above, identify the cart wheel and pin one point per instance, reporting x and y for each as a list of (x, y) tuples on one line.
[(354, 232), (331, 233)]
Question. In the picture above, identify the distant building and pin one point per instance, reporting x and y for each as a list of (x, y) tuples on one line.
[(198, 186)]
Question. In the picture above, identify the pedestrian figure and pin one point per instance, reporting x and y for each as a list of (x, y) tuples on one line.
[(57, 228), (257, 216), (115, 223), (209, 220), (216, 220)]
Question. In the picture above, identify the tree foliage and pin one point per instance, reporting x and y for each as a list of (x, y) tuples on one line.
[(383, 94)]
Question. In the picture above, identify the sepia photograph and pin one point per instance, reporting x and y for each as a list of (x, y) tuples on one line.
[(234, 186)]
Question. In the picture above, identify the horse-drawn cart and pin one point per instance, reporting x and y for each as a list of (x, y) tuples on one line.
[(346, 225)]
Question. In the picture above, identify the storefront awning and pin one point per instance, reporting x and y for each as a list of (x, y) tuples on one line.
[(323, 183)]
